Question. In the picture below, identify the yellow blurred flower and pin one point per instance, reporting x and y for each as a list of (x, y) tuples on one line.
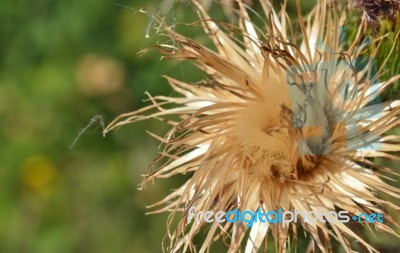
[(38, 174)]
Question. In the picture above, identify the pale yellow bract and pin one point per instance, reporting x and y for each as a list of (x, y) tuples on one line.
[(243, 136)]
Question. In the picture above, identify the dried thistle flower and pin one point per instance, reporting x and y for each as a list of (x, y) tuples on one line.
[(374, 10), (277, 126)]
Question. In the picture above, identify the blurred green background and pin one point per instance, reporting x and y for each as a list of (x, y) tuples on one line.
[(62, 63)]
